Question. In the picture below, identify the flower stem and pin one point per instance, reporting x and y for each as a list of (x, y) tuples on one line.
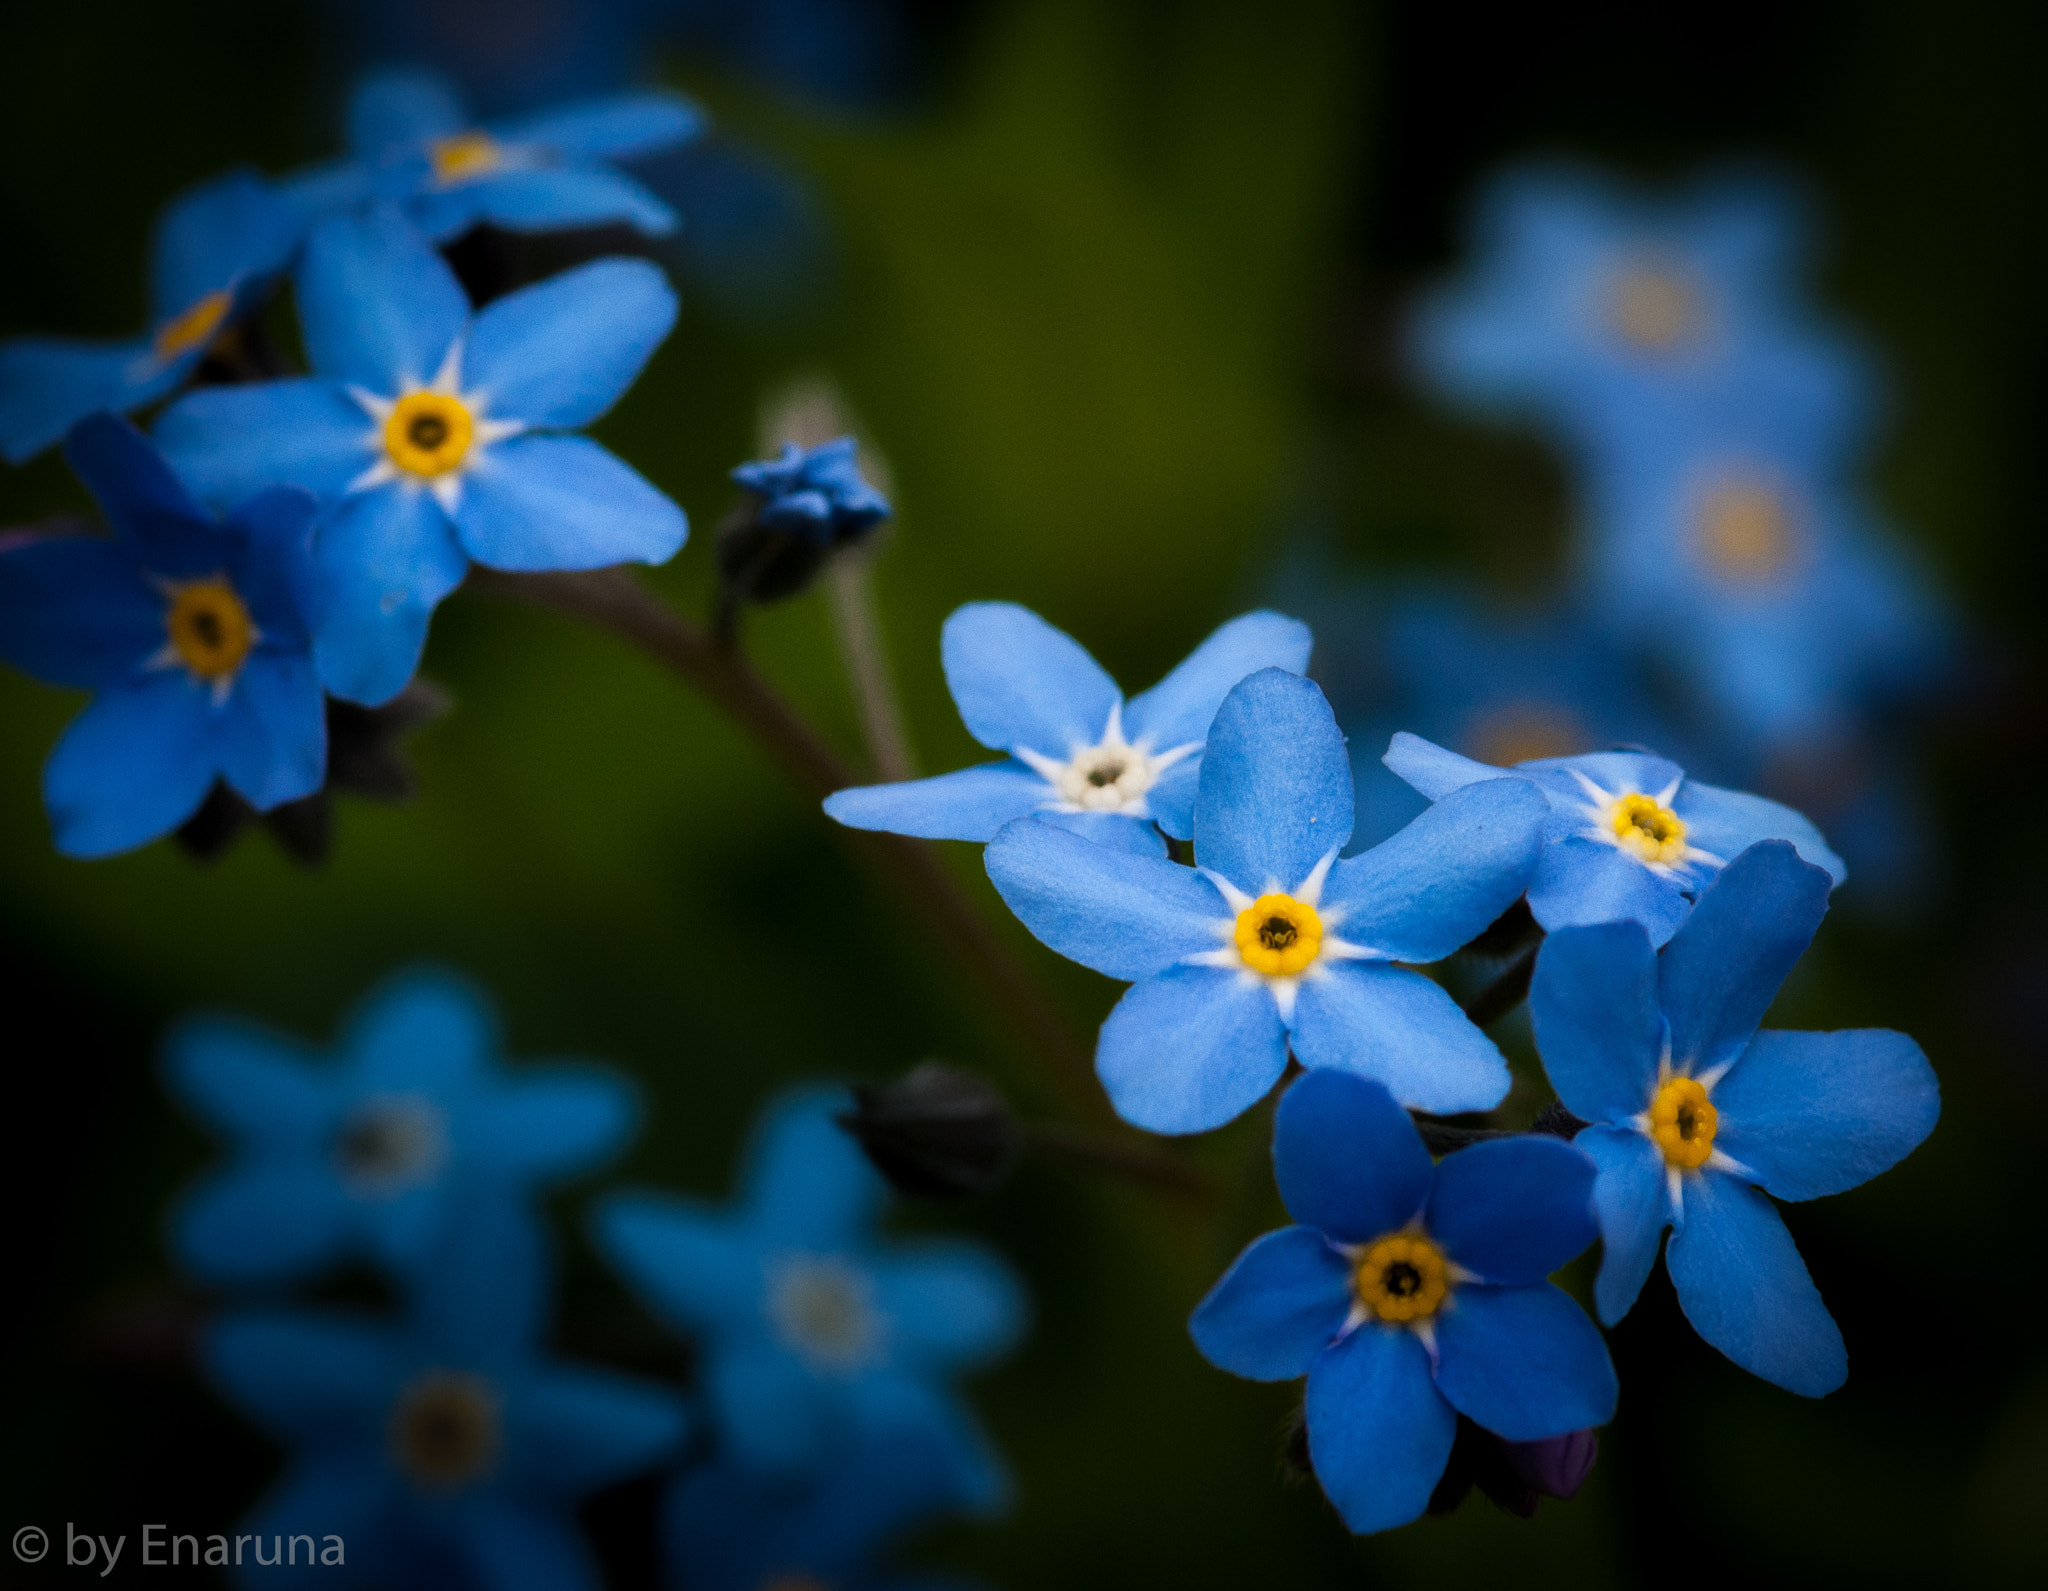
[(1135, 1162), (1504, 993), (849, 579)]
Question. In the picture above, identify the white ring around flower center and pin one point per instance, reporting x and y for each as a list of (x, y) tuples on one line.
[(446, 487), (1602, 808), (824, 1309), (1113, 775)]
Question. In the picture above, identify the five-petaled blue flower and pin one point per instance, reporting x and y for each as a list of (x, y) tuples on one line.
[(215, 251), (193, 634), (725, 1528), (1409, 1294), (424, 433), (1698, 1115), (1629, 837), (1237, 958), (369, 1154), (1079, 754), (814, 1338), (818, 493), (412, 143), (442, 1448)]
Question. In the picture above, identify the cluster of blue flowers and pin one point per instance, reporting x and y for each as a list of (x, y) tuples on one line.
[(439, 1441)]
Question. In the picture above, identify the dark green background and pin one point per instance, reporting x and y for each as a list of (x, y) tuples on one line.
[(1113, 300)]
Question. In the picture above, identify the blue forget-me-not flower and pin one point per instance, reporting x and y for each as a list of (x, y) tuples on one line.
[(1697, 1115), (815, 1338), (1409, 1294), (193, 634), (214, 252), (426, 432), (1078, 753), (367, 1153), (442, 1447), (816, 492), (412, 143), (1271, 941), (1629, 835)]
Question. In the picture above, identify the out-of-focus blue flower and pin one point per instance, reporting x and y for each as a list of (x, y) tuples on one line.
[(1079, 754), (412, 143), (815, 1338), (194, 636), (367, 1154), (443, 1448), (727, 1529), (1698, 1115), (1629, 836), (1593, 310), (815, 492), (1409, 1294), (427, 433), (215, 252), (1236, 959)]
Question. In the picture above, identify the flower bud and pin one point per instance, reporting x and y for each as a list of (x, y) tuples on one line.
[(1557, 1467), (936, 1132)]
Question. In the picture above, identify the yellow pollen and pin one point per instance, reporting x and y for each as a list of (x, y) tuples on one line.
[(462, 156), (193, 326), (1647, 831), (1682, 1122), (444, 1428), (1745, 533), (210, 628), (428, 433), (1401, 1277), (1655, 309), (1279, 935)]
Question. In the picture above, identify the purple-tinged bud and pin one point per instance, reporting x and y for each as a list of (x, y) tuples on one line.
[(1557, 1467), (936, 1132)]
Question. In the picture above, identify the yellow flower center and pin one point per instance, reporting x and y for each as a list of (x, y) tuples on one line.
[(193, 327), (1682, 1121), (210, 628), (1401, 1277), (1647, 831), (1654, 308), (444, 1428), (1278, 935), (428, 433), (1745, 533), (461, 156)]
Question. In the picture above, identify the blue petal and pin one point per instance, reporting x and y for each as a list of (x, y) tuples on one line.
[(1611, 770), (305, 1376), (378, 307), (510, 1545), (1721, 971), (1729, 822), (806, 1184), (774, 1414), (1632, 1203), (1275, 795), (234, 227), (571, 1430), (1347, 1159), (1819, 1113), (1179, 709), (152, 513), (270, 1220), (1280, 1304), (969, 805), (543, 199), (897, 1408), (229, 443), (274, 571), (616, 127), (387, 557), (1745, 1289), (1524, 1362), (423, 1031), (1190, 1049), (949, 1305), (1172, 800), (1379, 1432), (132, 767), (692, 1263), (1580, 882), (350, 1494), (1019, 682), (551, 1122), (74, 610), (248, 1081), (563, 502), (1513, 1210), (272, 736), (1593, 1006), (1402, 1031), (1123, 914), (1431, 769), (479, 1272), (49, 384), (390, 110), (1441, 880), (1137, 836), (559, 353)]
